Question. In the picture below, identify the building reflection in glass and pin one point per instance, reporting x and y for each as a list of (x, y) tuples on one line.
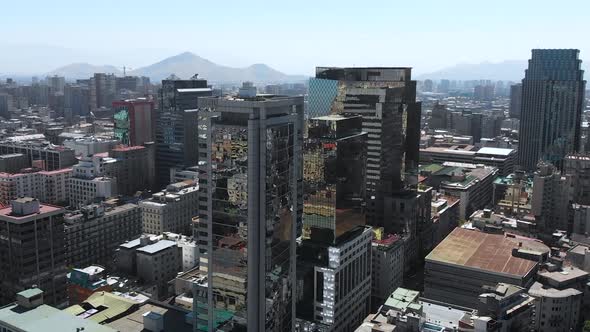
[(334, 160)]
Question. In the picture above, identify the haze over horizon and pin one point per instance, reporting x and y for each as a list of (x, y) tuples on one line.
[(293, 38)]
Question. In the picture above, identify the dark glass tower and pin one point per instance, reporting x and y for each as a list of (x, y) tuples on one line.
[(334, 163), (176, 125), (551, 110), (385, 98)]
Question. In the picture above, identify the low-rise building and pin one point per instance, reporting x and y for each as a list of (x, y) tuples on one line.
[(556, 309), (503, 159), (490, 222), (171, 210), (84, 282), (472, 184), (30, 314), (466, 260), (509, 305), (158, 263), (405, 311), (334, 281), (388, 265), (94, 232), (156, 259), (89, 184)]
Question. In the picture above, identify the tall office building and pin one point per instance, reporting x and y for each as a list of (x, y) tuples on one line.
[(32, 250), (515, 100), (552, 102), (334, 257), (250, 206), (385, 98), (176, 125), (334, 162)]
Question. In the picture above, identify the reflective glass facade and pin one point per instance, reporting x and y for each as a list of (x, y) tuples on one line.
[(334, 176), (250, 164)]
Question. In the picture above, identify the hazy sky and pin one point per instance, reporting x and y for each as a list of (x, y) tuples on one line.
[(291, 36)]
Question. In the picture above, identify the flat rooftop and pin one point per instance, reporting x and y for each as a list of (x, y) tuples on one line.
[(158, 246), (174, 319), (487, 252), (46, 318), (495, 151)]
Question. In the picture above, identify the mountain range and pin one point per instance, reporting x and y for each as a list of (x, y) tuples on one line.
[(185, 65), (509, 70)]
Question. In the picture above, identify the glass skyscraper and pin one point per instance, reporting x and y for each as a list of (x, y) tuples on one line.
[(250, 164), (385, 98), (551, 107)]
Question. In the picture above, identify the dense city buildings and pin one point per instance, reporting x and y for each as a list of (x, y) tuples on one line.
[(388, 262), (93, 233), (471, 184), (250, 207), (32, 250), (552, 103), (134, 121), (176, 125)]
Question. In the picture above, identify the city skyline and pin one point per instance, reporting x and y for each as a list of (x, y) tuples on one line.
[(238, 35)]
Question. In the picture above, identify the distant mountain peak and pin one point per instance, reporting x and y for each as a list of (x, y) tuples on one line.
[(185, 65)]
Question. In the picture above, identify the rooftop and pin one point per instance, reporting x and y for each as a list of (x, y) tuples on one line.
[(101, 306), (495, 151), (538, 290), (482, 251), (46, 318), (158, 246), (401, 299), (174, 319), (6, 213), (566, 274)]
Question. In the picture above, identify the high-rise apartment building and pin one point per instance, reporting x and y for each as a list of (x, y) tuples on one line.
[(134, 121), (385, 98), (551, 111), (32, 250), (250, 205), (176, 125), (515, 100)]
